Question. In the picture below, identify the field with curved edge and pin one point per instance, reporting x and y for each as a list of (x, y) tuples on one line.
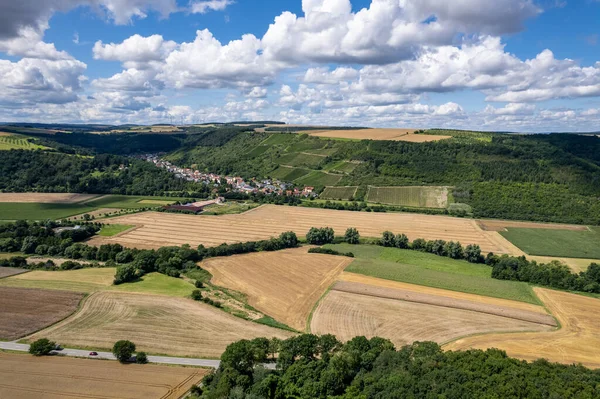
[(54, 377), (159, 229), (284, 284), (24, 311), (157, 324), (578, 340)]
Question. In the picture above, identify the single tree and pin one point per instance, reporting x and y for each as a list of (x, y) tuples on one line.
[(402, 241), (141, 358), (123, 350), (196, 295), (42, 347), (388, 239), (352, 236)]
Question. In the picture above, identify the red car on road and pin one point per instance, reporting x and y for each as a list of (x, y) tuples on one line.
[(93, 353)]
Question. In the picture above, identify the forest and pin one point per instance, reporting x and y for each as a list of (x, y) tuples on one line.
[(310, 367)]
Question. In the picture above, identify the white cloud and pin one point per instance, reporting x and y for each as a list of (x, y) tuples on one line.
[(202, 7), (257, 92), (136, 51), (512, 109), (131, 80)]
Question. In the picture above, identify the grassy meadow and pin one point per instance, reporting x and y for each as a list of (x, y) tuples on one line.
[(557, 243)]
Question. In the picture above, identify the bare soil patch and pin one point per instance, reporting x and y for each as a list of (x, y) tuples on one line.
[(11, 271), (417, 297), (284, 284), (55, 377), (159, 229), (157, 324), (46, 198), (578, 340), (502, 225), (347, 315), (25, 310)]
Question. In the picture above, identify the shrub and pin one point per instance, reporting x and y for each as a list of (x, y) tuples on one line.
[(320, 236), (123, 350), (141, 358), (196, 295), (42, 347), (329, 251), (352, 236), (402, 241), (388, 239), (125, 274)]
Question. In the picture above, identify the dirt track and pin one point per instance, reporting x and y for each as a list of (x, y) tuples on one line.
[(157, 324), (578, 341), (284, 284), (160, 229), (23, 376)]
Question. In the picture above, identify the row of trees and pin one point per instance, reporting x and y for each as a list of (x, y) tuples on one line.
[(122, 350), (312, 367)]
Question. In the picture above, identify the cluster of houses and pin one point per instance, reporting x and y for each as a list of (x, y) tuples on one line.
[(233, 183)]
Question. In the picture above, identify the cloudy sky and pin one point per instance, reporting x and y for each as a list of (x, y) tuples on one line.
[(515, 65)]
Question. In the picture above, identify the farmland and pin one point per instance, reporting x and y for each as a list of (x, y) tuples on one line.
[(578, 340), (284, 285), (58, 377), (558, 243), (46, 198), (25, 311), (111, 230), (159, 229), (418, 197), (379, 134), (15, 142), (338, 193), (41, 211), (157, 324), (10, 271), (131, 201)]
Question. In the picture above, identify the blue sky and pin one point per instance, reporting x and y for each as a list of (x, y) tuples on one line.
[(520, 65)]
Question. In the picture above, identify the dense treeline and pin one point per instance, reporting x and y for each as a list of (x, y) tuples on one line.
[(312, 367), (22, 171)]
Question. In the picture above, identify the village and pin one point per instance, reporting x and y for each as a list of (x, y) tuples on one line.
[(234, 183)]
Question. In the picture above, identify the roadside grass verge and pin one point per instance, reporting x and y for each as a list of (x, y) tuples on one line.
[(557, 243)]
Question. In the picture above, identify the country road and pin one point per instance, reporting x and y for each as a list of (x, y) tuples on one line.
[(181, 361)]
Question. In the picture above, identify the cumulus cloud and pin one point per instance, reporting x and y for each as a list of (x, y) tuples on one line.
[(131, 80), (202, 7), (135, 52)]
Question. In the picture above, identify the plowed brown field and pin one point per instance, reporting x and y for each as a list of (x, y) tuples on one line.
[(160, 229), (157, 324), (284, 285), (23, 376), (378, 134), (347, 315), (24, 311), (578, 341), (46, 198)]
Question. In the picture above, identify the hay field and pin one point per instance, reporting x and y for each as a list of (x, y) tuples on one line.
[(284, 284), (46, 198), (377, 134), (160, 229), (575, 264), (415, 196), (157, 324), (25, 311), (55, 377), (347, 315), (578, 341)]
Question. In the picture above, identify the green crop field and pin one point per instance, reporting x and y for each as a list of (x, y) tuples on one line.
[(338, 193), (256, 151), (433, 271), (288, 174), (418, 197), (110, 230), (323, 151), (277, 138), (16, 142), (298, 159), (33, 211), (558, 243), (316, 178), (130, 201), (343, 166)]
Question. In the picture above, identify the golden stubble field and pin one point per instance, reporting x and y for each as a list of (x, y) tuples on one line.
[(578, 340), (158, 229), (403, 313), (46, 198), (23, 376), (378, 134), (284, 284), (157, 324)]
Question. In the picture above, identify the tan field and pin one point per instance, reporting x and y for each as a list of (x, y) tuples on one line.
[(159, 229), (378, 134), (24, 377), (11, 271), (5, 134), (284, 285), (157, 324), (575, 264), (25, 310), (502, 225), (100, 276), (347, 315), (46, 198), (578, 341)]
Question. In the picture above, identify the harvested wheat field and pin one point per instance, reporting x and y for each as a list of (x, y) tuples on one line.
[(347, 315), (502, 225), (46, 198), (378, 134), (157, 324), (159, 229), (575, 264), (284, 284), (578, 340), (55, 377), (25, 310)]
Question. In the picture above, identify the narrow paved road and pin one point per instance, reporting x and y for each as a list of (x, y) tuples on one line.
[(181, 361)]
